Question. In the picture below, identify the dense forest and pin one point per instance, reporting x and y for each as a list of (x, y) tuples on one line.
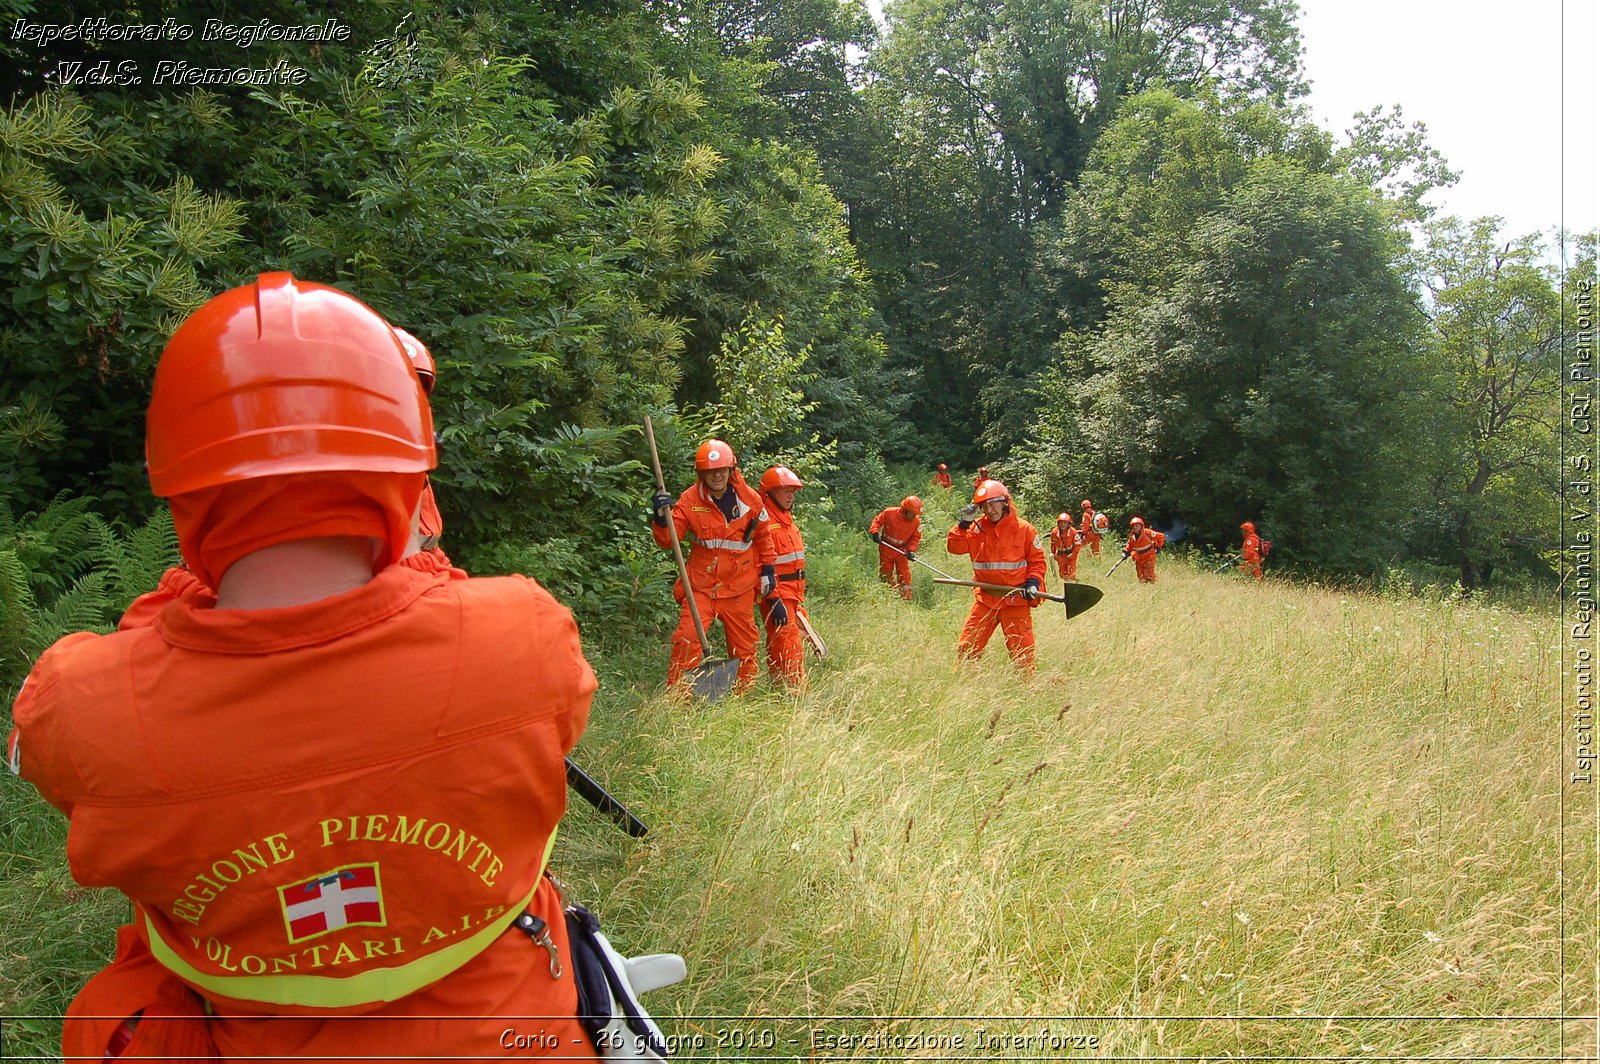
[(1100, 246)]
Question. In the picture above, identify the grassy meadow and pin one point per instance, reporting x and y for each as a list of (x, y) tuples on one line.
[(1225, 820)]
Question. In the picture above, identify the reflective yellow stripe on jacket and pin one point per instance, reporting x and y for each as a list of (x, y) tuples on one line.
[(337, 992)]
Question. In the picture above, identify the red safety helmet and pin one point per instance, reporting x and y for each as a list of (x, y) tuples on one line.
[(991, 489), (283, 376), (1087, 505), (943, 467), (780, 476), (1064, 517), (421, 360), (1137, 522), (714, 454), (983, 471), (913, 504), (1248, 526)]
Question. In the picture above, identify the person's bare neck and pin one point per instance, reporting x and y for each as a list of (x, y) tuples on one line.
[(294, 573)]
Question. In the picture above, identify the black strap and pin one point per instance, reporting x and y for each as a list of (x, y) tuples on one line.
[(798, 574)]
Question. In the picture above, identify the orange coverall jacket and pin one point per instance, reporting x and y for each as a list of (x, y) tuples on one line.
[(1064, 546), (333, 808), (1005, 553), (941, 480), (725, 557), (789, 555), (897, 531)]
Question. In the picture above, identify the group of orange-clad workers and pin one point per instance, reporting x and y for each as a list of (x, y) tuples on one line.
[(324, 765), (744, 547)]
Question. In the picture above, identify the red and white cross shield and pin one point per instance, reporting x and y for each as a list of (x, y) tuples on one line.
[(344, 897)]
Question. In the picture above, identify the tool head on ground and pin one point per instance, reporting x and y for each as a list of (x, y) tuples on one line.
[(421, 359), (818, 647), (284, 410), (912, 505), (714, 454)]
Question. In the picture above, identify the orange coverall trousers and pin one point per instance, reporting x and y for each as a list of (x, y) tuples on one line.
[(737, 614), (1016, 621), (786, 662), (895, 570)]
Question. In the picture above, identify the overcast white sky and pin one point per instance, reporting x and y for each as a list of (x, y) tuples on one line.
[(1486, 78)]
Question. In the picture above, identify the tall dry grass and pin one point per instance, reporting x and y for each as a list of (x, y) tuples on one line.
[(1225, 819)]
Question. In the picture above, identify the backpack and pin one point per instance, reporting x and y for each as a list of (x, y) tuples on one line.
[(1102, 523)]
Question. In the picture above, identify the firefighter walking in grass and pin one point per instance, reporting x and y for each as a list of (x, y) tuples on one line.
[(781, 612), (1143, 543), (731, 561), (1095, 525), (1005, 550), (1253, 551), (898, 533), (941, 477), (1065, 541)]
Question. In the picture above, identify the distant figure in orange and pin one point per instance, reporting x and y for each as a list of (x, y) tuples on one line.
[(1095, 525), (898, 533), (1254, 550), (983, 475), (1143, 543), (1065, 542), (941, 478)]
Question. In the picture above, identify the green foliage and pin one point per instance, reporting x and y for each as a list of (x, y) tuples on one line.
[(760, 401), (1494, 352), (66, 569)]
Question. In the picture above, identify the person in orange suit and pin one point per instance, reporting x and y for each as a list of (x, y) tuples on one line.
[(1143, 544), (731, 561), (898, 533), (1093, 527), (983, 475), (1065, 541), (1005, 550), (781, 612), (1252, 552), (941, 477), (326, 771)]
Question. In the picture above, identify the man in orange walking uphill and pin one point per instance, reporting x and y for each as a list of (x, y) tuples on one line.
[(731, 562), (1143, 543), (898, 533), (1254, 550), (1095, 525), (327, 773), (1005, 550), (941, 477), (1065, 540), (785, 653)]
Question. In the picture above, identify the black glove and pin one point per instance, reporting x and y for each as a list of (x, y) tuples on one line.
[(660, 506), (1125, 554), (911, 555), (1031, 588), (769, 580), (876, 537), (777, 612)]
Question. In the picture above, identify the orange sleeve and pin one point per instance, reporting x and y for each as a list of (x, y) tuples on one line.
[(1037, 566), (959, 541), (877, 522), (32, 749)]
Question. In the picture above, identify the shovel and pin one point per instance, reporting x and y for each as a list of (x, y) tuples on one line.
[(1077, 598), (713, 677)]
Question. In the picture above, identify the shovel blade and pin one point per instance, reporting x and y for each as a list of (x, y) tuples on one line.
[(1080, 597), (713, 678)]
